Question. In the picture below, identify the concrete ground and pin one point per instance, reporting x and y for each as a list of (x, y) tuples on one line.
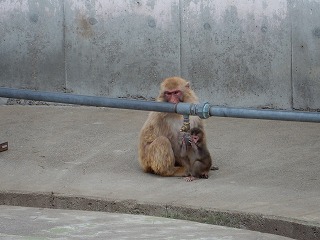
[(35, 223), (86, 158)]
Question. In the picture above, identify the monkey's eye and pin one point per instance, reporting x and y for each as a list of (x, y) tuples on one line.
[(169, 93)]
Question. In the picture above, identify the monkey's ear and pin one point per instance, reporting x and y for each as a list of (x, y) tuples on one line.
[(188, 85)]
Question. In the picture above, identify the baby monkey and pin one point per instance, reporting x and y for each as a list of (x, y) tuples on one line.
[(199, 159)]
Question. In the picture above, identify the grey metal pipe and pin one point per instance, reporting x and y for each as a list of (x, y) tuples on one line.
[(203, 110), (87, 100), (265, 114)]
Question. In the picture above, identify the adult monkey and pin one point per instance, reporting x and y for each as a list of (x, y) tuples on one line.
[(159, 142)]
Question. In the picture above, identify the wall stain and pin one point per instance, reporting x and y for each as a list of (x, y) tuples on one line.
[(207, 26), (316, 32), (151, 22), (34, 18), (85, 26)]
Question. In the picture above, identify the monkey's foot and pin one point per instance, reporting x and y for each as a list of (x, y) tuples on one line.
[(206, 176), (189, 179), (3, 146), (213, 168)]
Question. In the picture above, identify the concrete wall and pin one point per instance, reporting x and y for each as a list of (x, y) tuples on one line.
[(235, 53)]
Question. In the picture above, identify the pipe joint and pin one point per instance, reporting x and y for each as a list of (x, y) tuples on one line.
[(203, 110)]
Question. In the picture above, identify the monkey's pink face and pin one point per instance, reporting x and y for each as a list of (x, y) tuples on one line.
[(195, 138), (174, 96)]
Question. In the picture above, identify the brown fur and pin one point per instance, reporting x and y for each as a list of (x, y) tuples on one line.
[(159, 148)]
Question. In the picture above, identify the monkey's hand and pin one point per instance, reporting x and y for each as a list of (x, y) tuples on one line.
[(184, 143), (193, 145), (184, 137), (183, 148)]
